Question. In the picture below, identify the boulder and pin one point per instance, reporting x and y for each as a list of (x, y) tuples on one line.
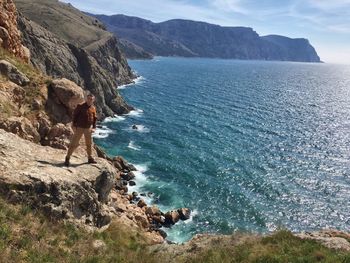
[(184, 213), (22, 127), (141, 203), (67, 93), (153, 211), (128, 176), (172, 217), (121, 164), (12, 73)]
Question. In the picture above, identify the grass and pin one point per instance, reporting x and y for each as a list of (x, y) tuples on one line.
[(35, 90), (27, 236), (282, 246)]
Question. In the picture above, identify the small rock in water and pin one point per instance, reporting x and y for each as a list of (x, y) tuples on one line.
[(184, 213), (143, 194), (132, 183), (172, 217)]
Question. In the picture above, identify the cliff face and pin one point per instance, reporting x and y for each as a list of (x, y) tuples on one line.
[(10, 38), (190, 38), (78, 48)]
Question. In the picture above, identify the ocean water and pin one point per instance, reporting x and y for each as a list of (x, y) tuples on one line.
[(246, 145)]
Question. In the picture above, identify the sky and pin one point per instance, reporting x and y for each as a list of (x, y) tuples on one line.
[(325, 23)]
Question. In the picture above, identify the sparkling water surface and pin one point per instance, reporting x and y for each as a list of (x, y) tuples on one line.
[(246, 145)]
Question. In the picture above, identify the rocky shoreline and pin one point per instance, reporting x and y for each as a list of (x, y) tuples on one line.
[(35, 117)]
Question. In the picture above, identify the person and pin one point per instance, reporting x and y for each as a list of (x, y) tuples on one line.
[(84, 123)]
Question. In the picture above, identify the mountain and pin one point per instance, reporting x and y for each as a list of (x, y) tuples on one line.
[(199, 39), (66, 43)]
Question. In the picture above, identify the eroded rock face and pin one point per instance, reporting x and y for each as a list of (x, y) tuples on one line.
[(98, 69), (330, 238), (63, 96), (12, 73), (10, 38), (22, 127), (35, 174)]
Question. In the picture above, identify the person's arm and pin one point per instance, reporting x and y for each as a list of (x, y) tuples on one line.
[(76, 115), (95, 119)]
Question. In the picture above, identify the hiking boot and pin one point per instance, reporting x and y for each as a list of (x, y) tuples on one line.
[(66, 162), (91, 160)]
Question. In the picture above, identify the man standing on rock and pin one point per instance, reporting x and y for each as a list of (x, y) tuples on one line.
[(84, 117)]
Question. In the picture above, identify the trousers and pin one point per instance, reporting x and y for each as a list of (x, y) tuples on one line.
[(76, 138)]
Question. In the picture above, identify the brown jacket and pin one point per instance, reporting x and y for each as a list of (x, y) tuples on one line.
[(84, 116)]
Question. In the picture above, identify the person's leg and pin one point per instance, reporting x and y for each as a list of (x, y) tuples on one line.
[(74, 143), (88, 142)]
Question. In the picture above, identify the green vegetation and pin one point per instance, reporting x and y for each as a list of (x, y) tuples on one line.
[(279, 247), (28, 236), (22, 98)]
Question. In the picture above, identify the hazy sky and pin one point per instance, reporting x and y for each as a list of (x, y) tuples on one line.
[(326, 23)]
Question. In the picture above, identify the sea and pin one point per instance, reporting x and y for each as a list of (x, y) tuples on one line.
[(248, 146)]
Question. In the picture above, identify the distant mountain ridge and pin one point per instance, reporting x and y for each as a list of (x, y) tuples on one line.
[(188, 38)]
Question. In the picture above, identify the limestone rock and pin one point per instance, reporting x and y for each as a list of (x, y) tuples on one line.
[(35, 174), (22, 127), (9, 33), (329, 238), (63, 97), (68, 93), (12, 73)]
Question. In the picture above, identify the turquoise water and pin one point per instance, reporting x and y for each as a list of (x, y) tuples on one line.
[(247, 145)]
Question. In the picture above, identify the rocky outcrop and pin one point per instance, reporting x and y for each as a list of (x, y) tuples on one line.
[(63, 96), (78, 49), (187, 38), (10, 38), (328, 237), (12, 73)]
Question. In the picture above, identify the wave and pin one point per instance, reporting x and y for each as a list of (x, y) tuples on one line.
[(139, 128), (136, 81), (116, 118), (102, 132), (135, 113), (133, 146), (140, 179)]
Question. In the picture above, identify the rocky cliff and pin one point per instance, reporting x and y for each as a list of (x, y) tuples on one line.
[(198, 39), (10, 38), (77, 48)]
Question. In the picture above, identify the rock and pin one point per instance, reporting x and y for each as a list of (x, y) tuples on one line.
[(104, 184), (184, 213), (128, 176), (57, 136), (141, 203), (9, 33), (67, 92), (36, 104), (12, 73), (330, 238), (99, 245), (132, 183), (63, 97), (97, 65), (159, 220), (142, 220), (153, 211), (162, 233), (171, 217), (123, 165), (35, 174), (22, 127), (101, 153)]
